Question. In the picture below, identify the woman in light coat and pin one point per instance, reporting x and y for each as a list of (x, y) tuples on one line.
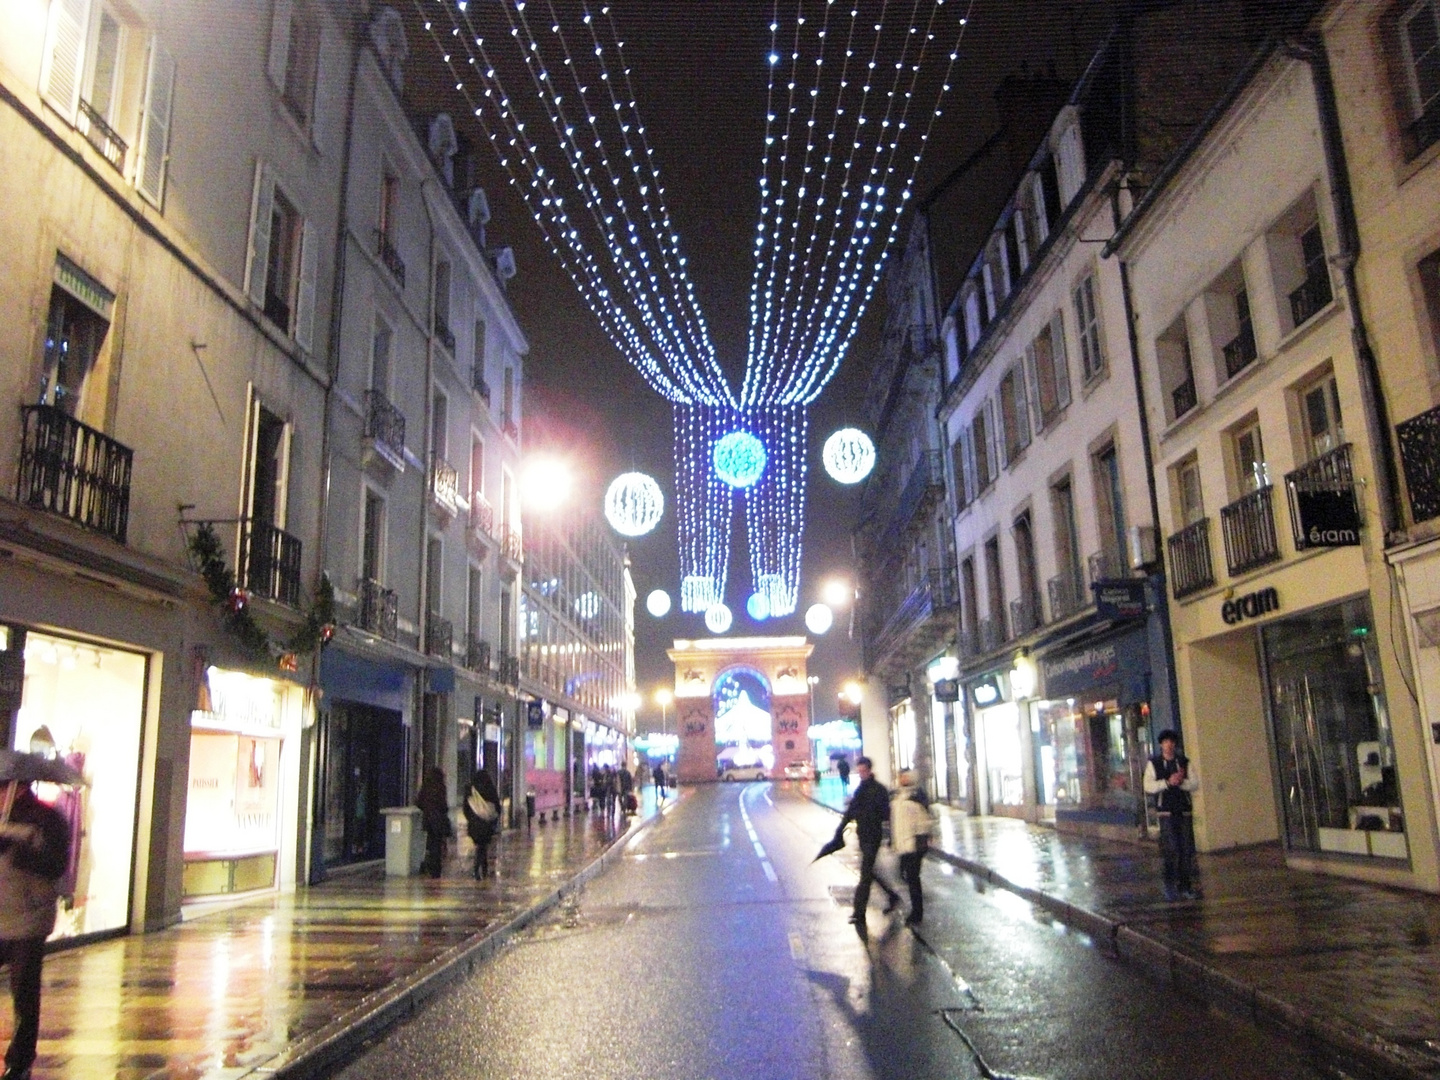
[(910, 824)]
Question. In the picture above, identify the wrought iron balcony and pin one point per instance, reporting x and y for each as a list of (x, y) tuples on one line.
[(444, 485), (1248, 525), (1312, 295), (391, 258), (1183, 397), (73, 471), (1190, 565), (482, 517), (923, 489), (511, 544), (1068, 594), (439, 636), (269, 562), (509, 670), (1419, 439), (477, 654), (1329, 476), (920, 622), (378, 607), (444, 334), (1025, 616), (992, 634), (385, 427), (105, 139), (1239, 352)]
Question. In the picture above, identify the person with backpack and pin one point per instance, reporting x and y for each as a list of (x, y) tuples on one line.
[(1170, 780), (482, 816)]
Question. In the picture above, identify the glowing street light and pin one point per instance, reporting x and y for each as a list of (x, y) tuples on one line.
[(663, 698), (545, 483), (837, 592)]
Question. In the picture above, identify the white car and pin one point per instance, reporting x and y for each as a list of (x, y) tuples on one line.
[(799, 770), (744, 772)]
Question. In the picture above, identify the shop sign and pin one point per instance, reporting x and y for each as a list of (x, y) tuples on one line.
[(1120, 599), (947, 690), (534, 715), (1328, 516), (1119, 664), (1250, 606), (987, 691)]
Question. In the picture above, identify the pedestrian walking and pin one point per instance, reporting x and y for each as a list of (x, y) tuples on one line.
[(626, 784), (869, 809), (596, 791), (34, 852), (435, 816), (658, 775), (607, 790), (1170, 779), (482, 816), (842, 766), (910, 824)]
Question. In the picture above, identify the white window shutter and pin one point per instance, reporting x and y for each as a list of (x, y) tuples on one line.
[(1062, 363), (1002, 437), (1032, 386), (280, 41), (972, 486), (257, 260), (282, 476), (992, 454), (305, 294), (1037, 198), (1022, 405), (64, 55), (155, 126)]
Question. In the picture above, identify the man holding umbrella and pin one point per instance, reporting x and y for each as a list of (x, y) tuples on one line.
[(34, 851), (869, 809)]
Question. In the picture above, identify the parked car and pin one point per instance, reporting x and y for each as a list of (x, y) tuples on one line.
[(744, 772), (799, 770)]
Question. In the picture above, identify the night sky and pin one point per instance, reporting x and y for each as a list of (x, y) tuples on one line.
[(699, 70)]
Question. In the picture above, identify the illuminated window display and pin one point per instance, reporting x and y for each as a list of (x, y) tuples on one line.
[(87, 701), (1096, 752), (1004, 754)]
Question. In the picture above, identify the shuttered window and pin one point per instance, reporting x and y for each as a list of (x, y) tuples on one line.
[(155, 125)]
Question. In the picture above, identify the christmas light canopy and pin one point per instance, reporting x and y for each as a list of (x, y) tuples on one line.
[(849, 455), (718, 619), (758, 607), (819, 618), (658, 603), (634, 504), (739, 459)]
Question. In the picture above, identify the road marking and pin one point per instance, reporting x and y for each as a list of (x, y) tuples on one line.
[(755, 840), (797, 948), (769, 871)]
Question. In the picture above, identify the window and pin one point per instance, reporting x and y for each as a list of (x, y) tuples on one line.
[(970, 610), (1297, 262), (959, 472), (505, 629), (974, 327), (1177, 372), (1031, 614), (507, 408), (981, 447), (295, 58), (380, 345), (1227, 309), (478, 363), (1110, 507), (1050, 373), (1049, 201), (1248, 457), (507, 493), (1188, 497), (1020, 234), (280, 269), (74, 338), (987, 279), (477, 467), (1417, 29), (1015, 259), (442, 303), (994, 586), (1092, 357), (1067, 539), (439, 425), (475, 603), (952, 351), (1014, 413), (389, 206), (372, 537), (268, 482), (1320, 417), (1072, 165)]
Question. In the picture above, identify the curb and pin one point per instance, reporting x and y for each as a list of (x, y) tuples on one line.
[(314, 1055), (1354, 1047)]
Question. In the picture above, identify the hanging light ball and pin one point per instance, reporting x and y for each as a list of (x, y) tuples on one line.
[(819, 618), (849, 455), (634, 504), (658, 603), (739, 459), (718, 618), (758, 607)]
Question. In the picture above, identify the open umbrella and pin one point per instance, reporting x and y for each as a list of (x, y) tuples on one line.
[(27, 768), (834, 844)]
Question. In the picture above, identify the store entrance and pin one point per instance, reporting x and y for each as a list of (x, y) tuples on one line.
[(363, 750)]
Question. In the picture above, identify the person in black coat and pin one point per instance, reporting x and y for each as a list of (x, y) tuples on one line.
[(435, 816), (482, 815), (869, 809)]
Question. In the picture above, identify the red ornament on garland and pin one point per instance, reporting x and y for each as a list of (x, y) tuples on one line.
[(238, 599), (327, 632), (289, 662)]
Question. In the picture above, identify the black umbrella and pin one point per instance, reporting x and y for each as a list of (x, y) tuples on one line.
[(27, 768), (834, 844)]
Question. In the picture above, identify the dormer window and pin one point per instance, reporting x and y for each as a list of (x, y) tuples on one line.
[(387, 34)]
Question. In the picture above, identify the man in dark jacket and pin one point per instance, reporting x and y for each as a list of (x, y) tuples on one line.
[(1170, 780), (34, 851), (869, 809)]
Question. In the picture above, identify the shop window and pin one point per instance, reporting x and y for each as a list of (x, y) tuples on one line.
[(1177, 373), (1339, 788), (1004, 754), (1321, 426), (1298, 264), (1189, 499), (85, 703), (1227, 313)]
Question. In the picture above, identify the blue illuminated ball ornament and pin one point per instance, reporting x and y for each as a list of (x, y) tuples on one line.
[(634, 504), (819, 618), (849, 455), (718, 619), (758, 606), (658, 603), (739, 459)]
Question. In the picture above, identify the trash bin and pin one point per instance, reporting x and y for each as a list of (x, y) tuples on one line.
[(404, 841)]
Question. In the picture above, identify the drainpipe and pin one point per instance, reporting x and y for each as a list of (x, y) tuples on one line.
[(1310, 49)]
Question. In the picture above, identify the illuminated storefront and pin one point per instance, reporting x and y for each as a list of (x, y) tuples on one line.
[(84, 703), (1000, 746), (241, 807)]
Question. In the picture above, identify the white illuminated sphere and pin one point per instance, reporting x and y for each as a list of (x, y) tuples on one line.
[(758, 607), (849, 455), (658, 603), (718, 618), (739, 458), (634, 504), (819, 618)]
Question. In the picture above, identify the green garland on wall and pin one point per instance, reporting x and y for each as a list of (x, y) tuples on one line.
[(319, 623)]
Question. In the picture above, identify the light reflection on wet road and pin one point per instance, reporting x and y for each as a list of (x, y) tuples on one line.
[(716, 950)]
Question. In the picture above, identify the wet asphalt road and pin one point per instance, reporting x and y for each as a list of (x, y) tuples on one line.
[(716, 950)]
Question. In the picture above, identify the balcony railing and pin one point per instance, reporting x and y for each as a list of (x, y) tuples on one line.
[(992, 634), (477, 381), (924, 487), (509, 670), (477, 654), (921, 619), (1068, 594), (1419, 439), (1025, 616), (1422, 131), (378, 606), (269, 562), (511, 544), (1239, 352), (391, 258), (482, 516), (1312, 295), (105, 139), (1248, 525), (444, 334), (439, 636), (1183, 397), (444, 485), (1190, 565), (1330, 474), (73, 471), (385, 425)]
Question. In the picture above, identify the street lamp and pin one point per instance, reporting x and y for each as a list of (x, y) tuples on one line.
[(837, 592), (812, 680), (545, 483), (663, 698)]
